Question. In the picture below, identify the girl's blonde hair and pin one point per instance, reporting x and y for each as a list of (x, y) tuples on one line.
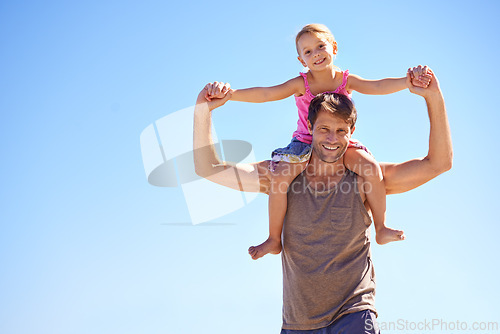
[(318, 30)]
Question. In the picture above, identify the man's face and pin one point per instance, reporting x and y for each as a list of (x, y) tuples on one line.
[(330, 136)]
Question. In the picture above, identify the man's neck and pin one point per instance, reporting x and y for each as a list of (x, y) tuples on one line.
[(321, 169)]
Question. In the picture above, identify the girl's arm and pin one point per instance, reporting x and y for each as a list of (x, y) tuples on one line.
[(420, 77), (267, 94), (375, 87)]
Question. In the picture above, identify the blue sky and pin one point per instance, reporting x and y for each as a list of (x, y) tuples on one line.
[(88, 246)]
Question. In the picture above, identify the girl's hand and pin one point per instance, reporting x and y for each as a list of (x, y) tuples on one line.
[(216, 90), (421, 76), (215, 102), (431, 90)]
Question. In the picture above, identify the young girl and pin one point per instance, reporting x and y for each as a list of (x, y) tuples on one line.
[(316, 48)]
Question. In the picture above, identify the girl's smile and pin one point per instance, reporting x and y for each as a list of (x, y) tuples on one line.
[(319, 61)]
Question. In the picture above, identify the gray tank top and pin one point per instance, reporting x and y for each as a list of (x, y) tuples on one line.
[(327, 267)]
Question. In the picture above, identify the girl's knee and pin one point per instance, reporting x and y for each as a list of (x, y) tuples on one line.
[(363, 163), (286, 172)]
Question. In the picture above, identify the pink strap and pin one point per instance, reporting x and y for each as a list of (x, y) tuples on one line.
[(306, 83), (344, 80)]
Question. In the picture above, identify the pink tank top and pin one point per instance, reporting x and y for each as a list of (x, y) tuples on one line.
[(302, 132)]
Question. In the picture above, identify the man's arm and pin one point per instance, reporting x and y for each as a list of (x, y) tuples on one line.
[(411, 174), (243, 177)]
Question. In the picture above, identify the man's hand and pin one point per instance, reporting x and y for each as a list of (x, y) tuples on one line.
[(420, 76), (215, 95), (216, 90), (432, 88)]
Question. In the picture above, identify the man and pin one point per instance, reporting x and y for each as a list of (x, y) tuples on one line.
[(328, 278)]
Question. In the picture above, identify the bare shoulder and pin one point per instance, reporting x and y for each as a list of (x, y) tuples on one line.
[(340, 74), (352, 81), (298, 85)]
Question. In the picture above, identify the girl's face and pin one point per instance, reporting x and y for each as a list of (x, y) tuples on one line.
[(315, 52)]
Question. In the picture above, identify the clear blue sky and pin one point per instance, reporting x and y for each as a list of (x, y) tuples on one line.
[(88, 246)]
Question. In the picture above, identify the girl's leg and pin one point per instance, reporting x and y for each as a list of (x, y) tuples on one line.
[(363, 164), (281, 179)]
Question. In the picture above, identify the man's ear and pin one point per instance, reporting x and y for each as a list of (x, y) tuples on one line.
[(309, 127), (302, 62), (352, 129)]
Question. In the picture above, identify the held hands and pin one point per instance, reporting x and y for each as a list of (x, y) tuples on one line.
[(420, 75), (420, 80), (430, 89), (215, 94), (216, 90)]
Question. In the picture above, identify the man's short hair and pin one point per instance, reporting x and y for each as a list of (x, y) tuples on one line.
[(338, 105)]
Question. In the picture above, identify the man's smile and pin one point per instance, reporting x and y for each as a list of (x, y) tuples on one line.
[(331, 147)]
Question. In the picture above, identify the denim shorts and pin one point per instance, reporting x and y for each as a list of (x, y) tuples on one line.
[(295, 152), (298, 151), (356, 323)]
